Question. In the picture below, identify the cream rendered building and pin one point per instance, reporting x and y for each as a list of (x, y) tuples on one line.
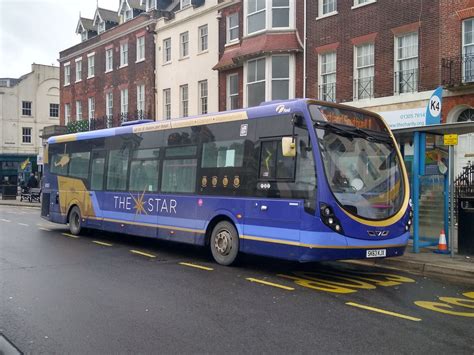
[(27, 105), (187, 47)]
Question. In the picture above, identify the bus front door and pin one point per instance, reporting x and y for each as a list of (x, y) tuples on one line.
[(272, 227)]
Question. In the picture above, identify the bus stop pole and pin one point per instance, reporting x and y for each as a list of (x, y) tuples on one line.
[(451, 198), (416, 190)]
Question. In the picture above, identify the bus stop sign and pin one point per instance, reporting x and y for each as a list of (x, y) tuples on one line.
[(450, 139)]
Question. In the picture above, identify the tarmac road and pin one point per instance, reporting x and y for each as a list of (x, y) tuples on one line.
[(106, 293)]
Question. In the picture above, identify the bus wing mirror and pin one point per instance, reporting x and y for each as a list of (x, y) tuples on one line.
[(288, 146)]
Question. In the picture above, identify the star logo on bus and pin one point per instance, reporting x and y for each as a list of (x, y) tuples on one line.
[(139, 203)]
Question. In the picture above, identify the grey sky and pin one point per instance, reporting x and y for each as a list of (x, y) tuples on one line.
[(34, 31)]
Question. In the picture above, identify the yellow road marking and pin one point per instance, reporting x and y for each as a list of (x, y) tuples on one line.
[(5, 220), (383, 311), (45, 229), (270, 284), (142, 253), (197, 266), (70, 235), (102, 243), (23, 224)]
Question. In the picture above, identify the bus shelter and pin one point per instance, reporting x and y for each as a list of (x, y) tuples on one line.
[(416, 137)]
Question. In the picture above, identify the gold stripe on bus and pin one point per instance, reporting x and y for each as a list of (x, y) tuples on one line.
[(153, 225), (66, 138), (315, 246), (204, 120)]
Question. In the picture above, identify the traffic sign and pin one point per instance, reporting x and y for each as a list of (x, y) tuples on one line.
[(450, 139), (433, 110)]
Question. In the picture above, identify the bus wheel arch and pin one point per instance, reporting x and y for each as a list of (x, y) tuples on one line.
[(74, 218), (222, 238)]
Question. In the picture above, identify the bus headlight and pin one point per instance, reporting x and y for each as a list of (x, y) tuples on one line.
[(329, 219)]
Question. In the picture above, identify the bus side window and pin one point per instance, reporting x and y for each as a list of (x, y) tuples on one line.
[(179, 169), (117, 169), (97, 170), (144, 170)]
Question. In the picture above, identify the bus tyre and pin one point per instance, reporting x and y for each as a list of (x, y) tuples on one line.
[(224, 243), (75, 221)]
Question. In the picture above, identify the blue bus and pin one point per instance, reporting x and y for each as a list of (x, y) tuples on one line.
[(301, 180)]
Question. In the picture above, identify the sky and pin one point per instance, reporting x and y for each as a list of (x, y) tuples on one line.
[(35, 31)]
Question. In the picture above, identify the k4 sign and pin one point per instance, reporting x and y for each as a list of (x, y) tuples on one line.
[(433, 111)]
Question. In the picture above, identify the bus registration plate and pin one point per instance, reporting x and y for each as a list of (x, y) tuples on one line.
[(376, 253)]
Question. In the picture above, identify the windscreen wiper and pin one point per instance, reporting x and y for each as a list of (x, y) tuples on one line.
[(350, 131)]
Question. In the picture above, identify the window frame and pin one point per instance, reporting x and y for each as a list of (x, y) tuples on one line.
[(91, 108), (230, 29), (203, 99), (183, 103), (29, 137), (25, 110), (53, 109), (90, 68), (109, 60), (67, 73), (67, 114), (230, 96), (140, 49), (203, 38), (398, 61), (78, 110), (268, 8), (321, 13), (109, 105), (124, 102), (141, 99), (123, 54), (78, 69), (463, 52), (167, 104), (184, 45), (167, 50), (277, 141), (357, 69), (321, 76)]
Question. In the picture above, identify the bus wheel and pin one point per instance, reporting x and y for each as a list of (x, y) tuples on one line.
[(224, 243), (75, 220)]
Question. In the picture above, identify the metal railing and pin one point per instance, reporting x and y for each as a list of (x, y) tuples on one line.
[(327, 92), (457, 71), (463, 186), (106, 121), (363, 88), (406, 81)]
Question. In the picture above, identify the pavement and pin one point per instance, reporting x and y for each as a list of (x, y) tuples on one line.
[(426, 262)]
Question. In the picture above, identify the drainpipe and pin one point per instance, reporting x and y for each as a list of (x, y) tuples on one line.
[(304, 51)]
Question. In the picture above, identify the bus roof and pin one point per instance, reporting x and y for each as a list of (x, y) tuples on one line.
[(266, 109)]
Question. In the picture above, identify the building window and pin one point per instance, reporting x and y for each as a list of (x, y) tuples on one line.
[(128, 14), (109, 60), (202, 94), (281, 13), (78, 110), (141, 101), (67, 114), (468, 51), (26, 134), (233, 27), (101, 27), (203, 38), (78, 70), (167, 50), (124, 104), (185, 3), (26, 108), (363, 2), (109, 105), (280, 77), (124, 54), (183, 96), (364, 71), (150, 5), (327, 7), (406, 63), (90, 66), (269, 79), (84, 35), (53, 110), (327, 76), (167, 104), (256, 16), (184, 40), (140, 48), (232, 91), (91, 106), (67, 74)]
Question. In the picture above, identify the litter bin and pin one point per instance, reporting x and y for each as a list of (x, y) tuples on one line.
[(466, 225)]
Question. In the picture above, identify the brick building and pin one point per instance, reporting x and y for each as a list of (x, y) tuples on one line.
[(260, 52), (109, 77)]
